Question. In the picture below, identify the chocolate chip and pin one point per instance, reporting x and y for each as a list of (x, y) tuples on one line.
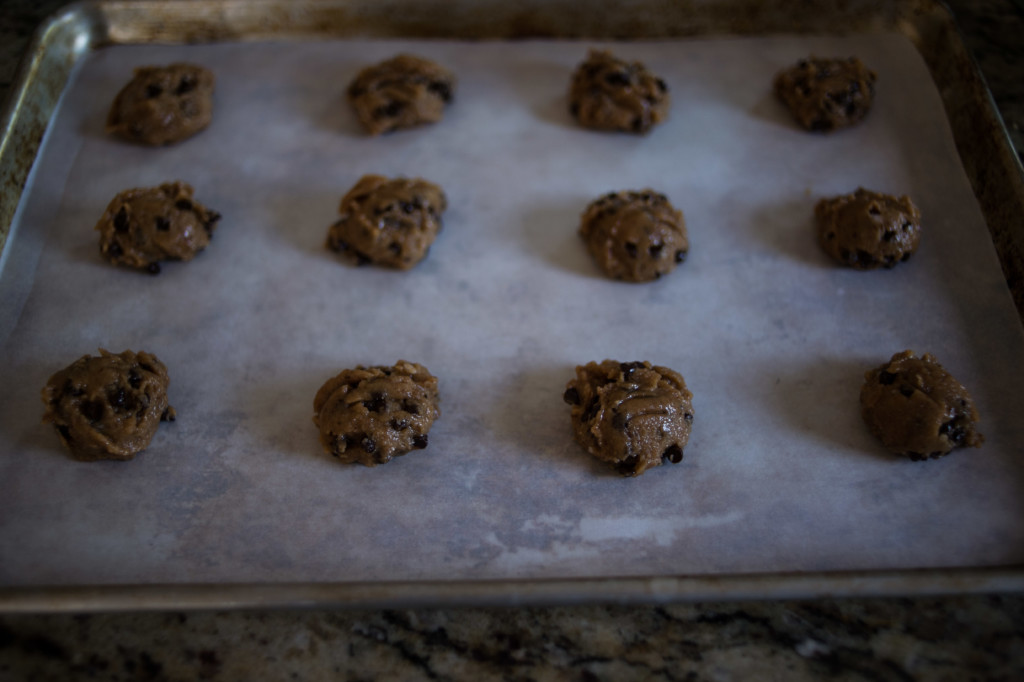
[(616, 79), (441, 89), (92, 410), (419, 441), (395, 248), (680, 256), (389, 110), (114, 249), (631, 249), (886, 378), (661, 85), (183, 205), (410, 407), (121, 220), (571, 396), (619, 421), (688, 416), (866, 258), (64, 433), (874, 210), (186, 84), (153, 90), (398, 424), (212, 217), (954, 430), (906, 390), (376, 403), (368, 445), (407, 207), (168, 415), (162, 224), (361, 258), (888, 235), (117, 398), (628, 466), (153, 268), (906, 225), (673, 453), (655, 249)]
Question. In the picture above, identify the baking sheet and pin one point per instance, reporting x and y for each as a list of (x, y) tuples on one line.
[(773, 340)]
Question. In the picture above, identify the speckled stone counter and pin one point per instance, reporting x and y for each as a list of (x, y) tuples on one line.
[(952, 638)]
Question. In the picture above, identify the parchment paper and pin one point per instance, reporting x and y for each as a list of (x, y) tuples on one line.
[(772, 338)]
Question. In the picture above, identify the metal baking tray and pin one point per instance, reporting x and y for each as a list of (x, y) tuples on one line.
[(86, 29)]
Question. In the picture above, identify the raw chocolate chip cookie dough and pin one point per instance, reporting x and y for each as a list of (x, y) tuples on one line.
[(610, 94), (163, 104), (402, 92), (916, 408), (388, 222), (635, 236), (631, 415), (371, 414), (868, 230), (108, 407), (142, 227), (827, 94)]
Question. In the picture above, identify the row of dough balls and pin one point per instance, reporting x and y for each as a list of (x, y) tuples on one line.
[(633, 235), (165, 105), (630, 415)]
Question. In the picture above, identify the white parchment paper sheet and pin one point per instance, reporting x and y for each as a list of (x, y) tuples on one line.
[(773, 338)]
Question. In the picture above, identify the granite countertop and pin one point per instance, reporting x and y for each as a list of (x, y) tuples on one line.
[(949, 638)]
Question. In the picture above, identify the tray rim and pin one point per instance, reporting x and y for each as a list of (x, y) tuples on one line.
[(995, 172), (643, 590)]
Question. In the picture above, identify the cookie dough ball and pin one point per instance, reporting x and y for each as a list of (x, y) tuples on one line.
[(163, 104), (868, 230), (827, 94), (142, 227), (916, 408), (389, 222), (635, 236), (402, 92), (371, 414), (610, 94), (631, 415), (108, 407)]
